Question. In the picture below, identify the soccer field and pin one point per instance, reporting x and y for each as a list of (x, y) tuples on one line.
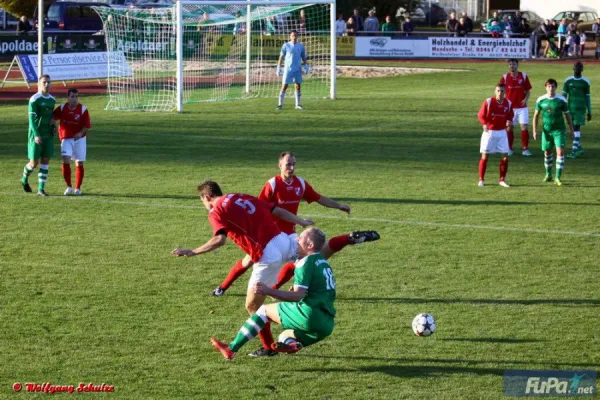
[(90, 292)]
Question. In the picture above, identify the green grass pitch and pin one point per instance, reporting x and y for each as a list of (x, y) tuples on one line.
[(90, 293)]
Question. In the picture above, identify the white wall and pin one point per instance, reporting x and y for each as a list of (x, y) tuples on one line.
[(549, 8)]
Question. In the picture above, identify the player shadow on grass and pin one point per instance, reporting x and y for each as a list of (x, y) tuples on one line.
[(561, 302), (506, 363), (462, 202), (492, 340), (416, 371), (145, 196)]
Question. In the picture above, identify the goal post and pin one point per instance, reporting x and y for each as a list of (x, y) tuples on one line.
[(211, 50)]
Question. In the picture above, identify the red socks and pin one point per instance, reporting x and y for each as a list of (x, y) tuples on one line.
[(524, 139), (266, 336), (482, 167), (503, 168), (339, 242), (235, 272), (511, 138), (78, 176), (66, 173), (285, 274)]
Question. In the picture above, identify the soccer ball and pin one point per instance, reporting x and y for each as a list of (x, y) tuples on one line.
[(423, 324)]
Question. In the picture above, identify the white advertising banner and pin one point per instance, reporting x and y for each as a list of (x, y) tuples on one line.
[(391, 47), (479, 47), (75, 66)]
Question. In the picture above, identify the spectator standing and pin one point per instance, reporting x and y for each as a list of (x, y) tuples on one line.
[(452, 24), (350, 27), (359, 24), (24, 26), (576, 44), (497, 19), (569, 44), (582, 39), (507, 26), (596, 27), (524, 29), (408, 26), (468, 24), (516, 22), (460, 28), (388, 26), (542, 33), (340, 25), (562, 35), (302, 22), (372, 23)]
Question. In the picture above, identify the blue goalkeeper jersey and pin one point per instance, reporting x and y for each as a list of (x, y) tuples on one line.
[(294, 54)]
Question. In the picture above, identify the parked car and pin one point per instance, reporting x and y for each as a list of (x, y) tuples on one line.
[(586, 18), (424, 15), (533, 20), (71, 16)]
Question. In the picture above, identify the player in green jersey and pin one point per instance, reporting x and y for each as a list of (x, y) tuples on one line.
[(40, 144), (306, 313), (576, 90), (552, 107)]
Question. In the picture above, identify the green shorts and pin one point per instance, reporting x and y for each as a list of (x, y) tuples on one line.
[(37, 151), (310, 325), (578, 116), (553, 139)]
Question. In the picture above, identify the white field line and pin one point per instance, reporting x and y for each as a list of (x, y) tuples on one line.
[(91, 198)]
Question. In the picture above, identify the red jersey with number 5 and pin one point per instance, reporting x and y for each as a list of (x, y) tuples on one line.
[(516, 86), (71, 120), (288, 196), (247, 221)]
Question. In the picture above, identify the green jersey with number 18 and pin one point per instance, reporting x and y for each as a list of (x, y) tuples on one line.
[(314, 273)]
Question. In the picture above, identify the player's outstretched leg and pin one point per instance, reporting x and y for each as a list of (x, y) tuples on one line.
[(223, 348), (337, 243), (334, 245), (238, 269), (290, 348)]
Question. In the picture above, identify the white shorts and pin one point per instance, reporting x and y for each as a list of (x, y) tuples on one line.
[(521, 115), (494, 142), (74, 148), (280, 250)]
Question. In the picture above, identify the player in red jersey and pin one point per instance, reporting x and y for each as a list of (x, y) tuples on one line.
[(74, 125), (287, 190), (250, 224), (496, 116), (518, 90)]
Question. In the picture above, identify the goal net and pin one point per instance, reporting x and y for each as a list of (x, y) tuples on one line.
[(200, 51)]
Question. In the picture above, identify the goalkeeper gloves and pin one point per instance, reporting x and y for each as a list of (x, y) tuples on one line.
[(306, 68), (279, 71)]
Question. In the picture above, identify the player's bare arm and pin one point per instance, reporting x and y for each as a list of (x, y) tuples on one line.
[(80, 134), (327, 202), (536, 115), (295, 296), (570, 122), (214, 243), (526, 99), (289, 217)]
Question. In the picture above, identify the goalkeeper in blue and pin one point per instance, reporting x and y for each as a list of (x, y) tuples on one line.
[(295, 62)]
